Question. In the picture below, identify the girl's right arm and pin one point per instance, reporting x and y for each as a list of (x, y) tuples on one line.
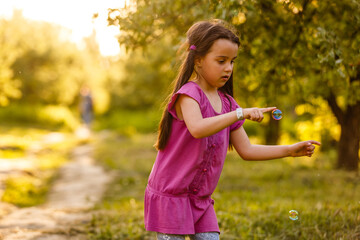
[(188, 109)]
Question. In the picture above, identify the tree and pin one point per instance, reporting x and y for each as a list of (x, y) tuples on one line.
[(147, 76), (334, 35), (310, 50), (292, 50), (39, 65), (9, 85)]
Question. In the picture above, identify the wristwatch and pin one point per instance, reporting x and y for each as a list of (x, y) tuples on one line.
[(239, 113)]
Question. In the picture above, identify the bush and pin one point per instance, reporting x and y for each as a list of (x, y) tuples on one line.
[(129, 122), (46, 116), (26, 191)]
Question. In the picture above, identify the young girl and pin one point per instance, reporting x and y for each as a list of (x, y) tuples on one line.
[(200, 121)]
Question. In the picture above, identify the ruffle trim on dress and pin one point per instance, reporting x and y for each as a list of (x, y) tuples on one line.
[(172, 214)]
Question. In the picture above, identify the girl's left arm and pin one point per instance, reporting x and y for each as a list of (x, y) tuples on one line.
[(250, 152)]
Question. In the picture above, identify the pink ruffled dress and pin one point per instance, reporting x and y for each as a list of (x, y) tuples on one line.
[(185, 173)]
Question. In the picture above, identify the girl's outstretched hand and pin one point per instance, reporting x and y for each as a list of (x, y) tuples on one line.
[(256, 114), (305, 148)]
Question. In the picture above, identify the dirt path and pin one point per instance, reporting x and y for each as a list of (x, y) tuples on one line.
[(79, 187)]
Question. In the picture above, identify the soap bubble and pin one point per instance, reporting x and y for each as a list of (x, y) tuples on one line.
[(277, 114), (293, 215)]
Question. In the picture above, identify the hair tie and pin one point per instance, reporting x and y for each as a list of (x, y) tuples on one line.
[(192, 47)]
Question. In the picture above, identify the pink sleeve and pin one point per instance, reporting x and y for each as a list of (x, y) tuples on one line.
[(190, 89)]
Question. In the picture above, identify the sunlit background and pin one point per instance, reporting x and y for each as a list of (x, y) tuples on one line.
[(77, 16), (118, 58)]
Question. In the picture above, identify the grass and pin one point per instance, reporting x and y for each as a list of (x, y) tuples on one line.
[(129, 122), (121, 211), (42, 116), (42, 158), (12, 152), (252, 201), (26, 191)]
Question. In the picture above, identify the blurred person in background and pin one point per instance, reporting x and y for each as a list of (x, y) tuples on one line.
[(86, 106)]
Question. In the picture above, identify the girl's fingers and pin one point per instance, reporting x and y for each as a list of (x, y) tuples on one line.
[(314, 142), (305, 148), (310, 147), (267, 109), (256, 114)]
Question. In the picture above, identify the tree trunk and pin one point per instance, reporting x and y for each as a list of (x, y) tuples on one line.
[(272, 132), (348, 149), (348, 146)]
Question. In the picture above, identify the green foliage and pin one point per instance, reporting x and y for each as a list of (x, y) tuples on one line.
[(25, 191), (144, 22), (41, 66), (50, 116), (147, 78), (129, 122), (9, 86), (252, 201), (11, 152), (43, 62), (291, 53)]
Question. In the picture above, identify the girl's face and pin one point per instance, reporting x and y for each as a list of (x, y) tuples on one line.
[(216, 67)]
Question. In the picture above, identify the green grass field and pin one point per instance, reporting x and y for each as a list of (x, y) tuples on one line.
[(253, 199)]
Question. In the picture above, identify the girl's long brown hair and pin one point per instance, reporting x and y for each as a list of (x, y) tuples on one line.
[(203, 35)]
